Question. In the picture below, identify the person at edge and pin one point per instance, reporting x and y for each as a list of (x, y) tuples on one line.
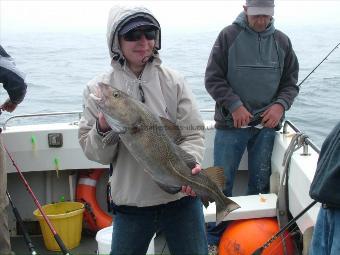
[(141, 207), (13, 82), (325, 189), (252, 74)]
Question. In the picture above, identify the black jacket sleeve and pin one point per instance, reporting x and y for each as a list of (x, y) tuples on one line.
[(216, 82), (11, 78), (325, 185), (288, 88)]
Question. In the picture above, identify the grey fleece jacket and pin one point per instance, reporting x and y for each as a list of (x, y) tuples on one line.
[(251, 69)]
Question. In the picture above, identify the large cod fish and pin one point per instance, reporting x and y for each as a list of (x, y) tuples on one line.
[(153, 141)]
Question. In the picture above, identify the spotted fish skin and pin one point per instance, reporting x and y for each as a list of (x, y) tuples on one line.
[(147, 139)]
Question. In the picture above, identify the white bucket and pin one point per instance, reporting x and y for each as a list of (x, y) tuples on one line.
[(104, 237)]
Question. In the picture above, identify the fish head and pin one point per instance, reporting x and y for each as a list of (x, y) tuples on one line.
[(116, 105)]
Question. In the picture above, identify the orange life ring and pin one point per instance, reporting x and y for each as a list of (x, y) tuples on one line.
[(94, 217)]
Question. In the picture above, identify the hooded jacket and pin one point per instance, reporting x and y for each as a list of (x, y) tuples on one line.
[(166, 94), (252, 69)]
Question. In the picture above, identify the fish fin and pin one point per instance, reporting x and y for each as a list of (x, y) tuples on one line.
[(216, 174), (189, 160), (115, 125), (172, 130), (169, 189), (223, 209)]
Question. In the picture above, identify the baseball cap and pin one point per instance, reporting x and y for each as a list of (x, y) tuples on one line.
[(260, 7), (135, 23)]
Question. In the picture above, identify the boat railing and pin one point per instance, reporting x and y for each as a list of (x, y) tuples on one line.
[(40, 115), (63, 113), (307, 142), (287, 123)]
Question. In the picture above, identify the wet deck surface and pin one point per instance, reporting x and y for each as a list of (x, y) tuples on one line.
[(88, 245)]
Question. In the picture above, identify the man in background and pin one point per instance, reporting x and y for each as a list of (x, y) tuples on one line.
[(325, 189), (13, 82), (251, 73)]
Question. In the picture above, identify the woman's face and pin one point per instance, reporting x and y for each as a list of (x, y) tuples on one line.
[(137, 46)]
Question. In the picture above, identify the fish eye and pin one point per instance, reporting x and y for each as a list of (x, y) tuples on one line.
[(115, 94)]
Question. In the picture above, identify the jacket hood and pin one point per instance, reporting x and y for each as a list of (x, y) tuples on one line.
[(242, 21), (118, 17)]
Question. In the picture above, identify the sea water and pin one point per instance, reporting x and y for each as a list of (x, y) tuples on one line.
[(59, 64)]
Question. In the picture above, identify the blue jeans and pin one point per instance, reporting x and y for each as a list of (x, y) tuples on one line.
[(326, 234), (229, 147), (181, 221)]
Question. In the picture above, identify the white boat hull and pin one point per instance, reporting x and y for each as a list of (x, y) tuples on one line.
[(52, 172)]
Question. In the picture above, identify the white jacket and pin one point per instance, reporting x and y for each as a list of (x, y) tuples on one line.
[(166, 94)]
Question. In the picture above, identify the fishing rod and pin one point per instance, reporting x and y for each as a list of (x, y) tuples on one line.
[(54, 232), (259, 251), (22, 227), (319, 64)]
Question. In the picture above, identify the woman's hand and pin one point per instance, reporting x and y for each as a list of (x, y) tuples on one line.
[(187, 189)]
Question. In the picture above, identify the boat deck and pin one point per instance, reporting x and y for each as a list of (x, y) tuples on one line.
[(88, 245)]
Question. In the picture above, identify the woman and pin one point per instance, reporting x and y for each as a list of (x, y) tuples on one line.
[(142, 207)]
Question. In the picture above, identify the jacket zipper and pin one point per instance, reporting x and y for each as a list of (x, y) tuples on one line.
[(141, 91), (259, 40)]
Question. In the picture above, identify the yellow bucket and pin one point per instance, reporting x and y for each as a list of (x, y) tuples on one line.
[(67, 219)]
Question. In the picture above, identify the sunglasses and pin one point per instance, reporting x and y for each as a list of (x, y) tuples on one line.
[(136, 35)]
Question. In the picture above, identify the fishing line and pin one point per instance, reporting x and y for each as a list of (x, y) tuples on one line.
[(319, 64)]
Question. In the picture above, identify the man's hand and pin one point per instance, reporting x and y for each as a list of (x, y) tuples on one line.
[(241, 117), (187, 189), (8, 106), (272, 116)]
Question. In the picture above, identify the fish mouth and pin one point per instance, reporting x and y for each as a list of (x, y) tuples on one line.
[(99, 100)]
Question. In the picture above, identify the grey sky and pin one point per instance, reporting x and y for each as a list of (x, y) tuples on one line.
[(92, 15)]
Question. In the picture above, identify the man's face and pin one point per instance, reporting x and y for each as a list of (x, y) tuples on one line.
[(258, 23)]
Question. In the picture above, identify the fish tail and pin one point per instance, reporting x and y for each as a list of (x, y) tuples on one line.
[(223, 208)]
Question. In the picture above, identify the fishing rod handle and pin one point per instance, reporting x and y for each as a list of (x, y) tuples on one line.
[(27, 238), (24, 232), (259, 250), (61, 245)]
